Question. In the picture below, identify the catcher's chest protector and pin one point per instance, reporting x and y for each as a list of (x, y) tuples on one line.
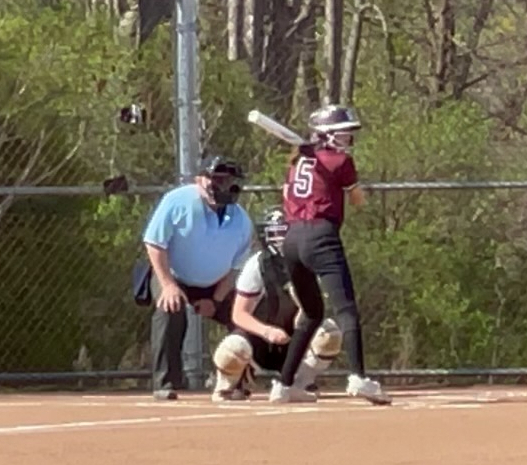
[(276, 307)]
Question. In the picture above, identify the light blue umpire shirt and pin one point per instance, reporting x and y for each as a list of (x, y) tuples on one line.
[(201, 251)]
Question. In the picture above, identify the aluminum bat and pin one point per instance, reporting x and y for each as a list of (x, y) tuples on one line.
[(275, 128)]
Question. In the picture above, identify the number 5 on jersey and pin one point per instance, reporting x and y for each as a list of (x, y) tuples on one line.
[(303, 179)]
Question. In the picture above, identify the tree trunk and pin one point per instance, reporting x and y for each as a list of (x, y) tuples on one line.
[(277, 59), (235, 28), (309, 62), (151, 14), (333, 48), (257, 37), (446, 48), (352, 54), (283, 50), (464, 62), (390, 51), (129, 21)]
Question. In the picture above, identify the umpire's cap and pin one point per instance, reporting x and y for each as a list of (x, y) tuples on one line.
[(218, 164)]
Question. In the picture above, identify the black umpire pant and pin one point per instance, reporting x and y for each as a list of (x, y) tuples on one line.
[(168, 333), (313, 249)]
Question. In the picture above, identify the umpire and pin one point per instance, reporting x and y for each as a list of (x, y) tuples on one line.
[(196, 239)]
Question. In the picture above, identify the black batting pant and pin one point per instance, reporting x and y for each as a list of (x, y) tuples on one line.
[(314, 249), (168, 333)]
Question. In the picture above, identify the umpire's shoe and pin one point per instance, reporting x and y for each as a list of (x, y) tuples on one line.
[(165, 394)]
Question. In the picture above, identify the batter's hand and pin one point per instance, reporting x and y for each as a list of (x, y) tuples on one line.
[(276, 335), (172, 298), (205, 307)]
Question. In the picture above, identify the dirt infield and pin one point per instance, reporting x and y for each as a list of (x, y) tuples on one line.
[(456, 427)]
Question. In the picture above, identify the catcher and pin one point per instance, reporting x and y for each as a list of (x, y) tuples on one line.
[(265, 313)]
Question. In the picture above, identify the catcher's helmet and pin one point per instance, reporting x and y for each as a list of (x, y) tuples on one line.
[(272, 229)]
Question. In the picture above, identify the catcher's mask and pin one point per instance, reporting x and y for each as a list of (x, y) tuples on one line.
[(272, 229), (225, 176)]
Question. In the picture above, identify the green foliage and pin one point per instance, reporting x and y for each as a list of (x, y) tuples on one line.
[(64, 79), (425, 263), (439, 275), (230, 93), (39, 306)]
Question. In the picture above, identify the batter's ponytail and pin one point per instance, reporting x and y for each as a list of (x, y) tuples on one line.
[(294, 156), (304, 150)]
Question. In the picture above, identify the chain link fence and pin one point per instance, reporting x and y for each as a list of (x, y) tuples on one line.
[(65, 284), (438, 254), (440, 287), (83, 98)]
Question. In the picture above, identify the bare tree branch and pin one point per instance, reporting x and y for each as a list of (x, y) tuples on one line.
[(446, 46), (414, 78), (505, 40), (8, 201), (67, 158), (207, 133), (347, 84), (502, 115), (431, 22), (522, 61), (299, 22), (23, 178), (465, 60), (430, 19), (473, 82)]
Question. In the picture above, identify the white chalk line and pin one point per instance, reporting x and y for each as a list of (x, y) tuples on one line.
[(429, 400), (248, 405), (253, 404), (249, 411), (109, 424), (252, 413), (204, 399)]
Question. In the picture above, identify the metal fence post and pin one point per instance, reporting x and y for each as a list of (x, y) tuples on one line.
[(186, 101)]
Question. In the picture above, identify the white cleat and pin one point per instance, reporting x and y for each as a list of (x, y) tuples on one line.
[(367, 389), (285, 394)]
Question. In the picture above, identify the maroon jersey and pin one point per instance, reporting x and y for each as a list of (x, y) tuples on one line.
[(314, 187)]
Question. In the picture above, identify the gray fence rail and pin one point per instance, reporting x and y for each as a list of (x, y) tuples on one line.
[(30, 378), (373, 186)]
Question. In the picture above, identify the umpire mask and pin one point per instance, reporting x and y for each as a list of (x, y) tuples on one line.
[(224, 177)]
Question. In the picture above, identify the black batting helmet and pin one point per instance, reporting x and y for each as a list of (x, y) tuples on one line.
[(334, 118), (329, 123)]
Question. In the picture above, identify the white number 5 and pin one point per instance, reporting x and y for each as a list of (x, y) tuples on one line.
[(303, 182)]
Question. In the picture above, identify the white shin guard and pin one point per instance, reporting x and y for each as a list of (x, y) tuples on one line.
[(324, 348), (231, 357)]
